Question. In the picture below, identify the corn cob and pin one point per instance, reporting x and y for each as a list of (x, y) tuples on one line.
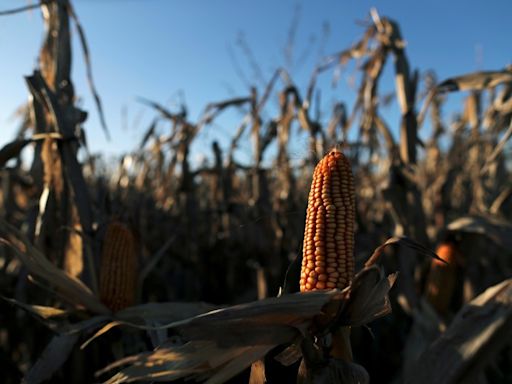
[(442, 277), (328, 249), (118, 273)]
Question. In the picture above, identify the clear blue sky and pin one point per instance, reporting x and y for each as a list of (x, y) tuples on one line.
[(160, 48)]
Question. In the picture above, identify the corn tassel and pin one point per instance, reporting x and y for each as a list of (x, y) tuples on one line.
[(118, 273)]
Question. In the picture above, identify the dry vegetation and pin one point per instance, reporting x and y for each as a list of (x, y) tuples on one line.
[(158, 270)]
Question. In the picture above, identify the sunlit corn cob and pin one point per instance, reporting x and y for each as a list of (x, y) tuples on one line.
[(328, 250), (118, 273), (442, 277)]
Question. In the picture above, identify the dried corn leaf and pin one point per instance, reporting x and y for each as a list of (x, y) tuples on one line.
[(88, 69), (21, 9), (498, 149), (58, 350), (500, 200), (475, 81), (163, 313), (478, 332), (497, 229), (38, 265), (52, 358), (41, 311), (232, 368), (174, 117), (152, 316), (237, 336), (192, 360), (221, 343), (12, 150), (368, 297), (401, 241)]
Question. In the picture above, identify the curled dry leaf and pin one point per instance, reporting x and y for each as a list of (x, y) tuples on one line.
[(152, 316), (497, 229), (41, 311), (478, 332), (11, 150), (401, 241), (220, 344), (475, 81)]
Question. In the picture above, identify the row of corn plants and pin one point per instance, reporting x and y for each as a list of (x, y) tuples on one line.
[(158, 270)]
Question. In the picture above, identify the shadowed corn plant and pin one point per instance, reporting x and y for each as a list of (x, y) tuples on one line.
[(218, 345), (81, 311), (476, 345), (328, 250), (238, 218)]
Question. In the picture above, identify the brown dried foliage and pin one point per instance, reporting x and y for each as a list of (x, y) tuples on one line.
[(236, 224)]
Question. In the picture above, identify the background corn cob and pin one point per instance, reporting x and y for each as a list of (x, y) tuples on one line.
[(118, 273), (442, 277), (328, 250)]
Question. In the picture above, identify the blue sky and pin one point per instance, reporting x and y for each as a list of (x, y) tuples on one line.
[(167, 49)]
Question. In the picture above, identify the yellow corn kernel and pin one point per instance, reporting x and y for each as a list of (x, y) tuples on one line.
[(328, 249), (118, 273)]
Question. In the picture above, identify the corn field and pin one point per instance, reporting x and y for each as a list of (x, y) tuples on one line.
[(382, 255)]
